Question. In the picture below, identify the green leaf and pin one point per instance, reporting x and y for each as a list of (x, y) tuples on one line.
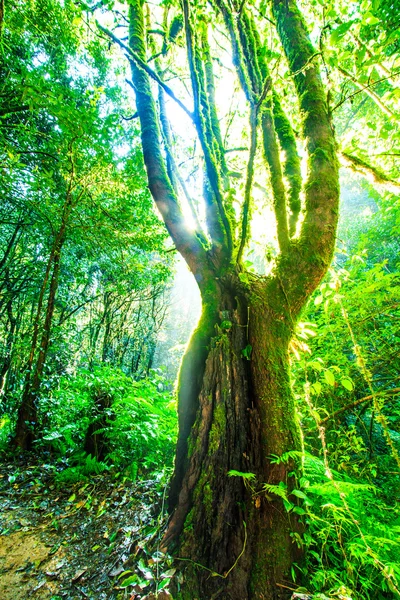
[(234, 473), (163, 584), (246, 352), (299, 494), (340, 32), (347, 383), (299, 511), (316, 387), (370, 19), (129, 581), (329, 377)]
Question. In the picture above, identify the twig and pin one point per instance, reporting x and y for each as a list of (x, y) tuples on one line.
[(367, 90), (308, 63), (249, 182)]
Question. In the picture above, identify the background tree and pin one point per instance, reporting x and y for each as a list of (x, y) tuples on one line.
[(66, 195)]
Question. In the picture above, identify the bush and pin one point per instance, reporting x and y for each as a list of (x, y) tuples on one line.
[(137, 424)]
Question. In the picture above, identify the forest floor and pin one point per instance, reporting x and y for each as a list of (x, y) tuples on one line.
[(86, 540)]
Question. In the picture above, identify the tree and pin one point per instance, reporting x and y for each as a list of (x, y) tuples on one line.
[(236, 408), (62, 186)]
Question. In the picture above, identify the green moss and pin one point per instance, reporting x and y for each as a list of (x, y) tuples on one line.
[(292, 168), (217, 428)]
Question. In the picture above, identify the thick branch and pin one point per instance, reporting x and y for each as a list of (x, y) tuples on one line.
[(186, 242), (237, 54), (142, 63), (249, 183), (219, 225), (258, 74), (172, 168), (292, 168), (271, 152), (357, 403), (215, 126), (312, 254)]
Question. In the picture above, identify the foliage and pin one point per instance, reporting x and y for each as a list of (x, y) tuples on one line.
[(84, 467), (76, 213), (139, 427), (81, 250), (352, 536), (346, 380)]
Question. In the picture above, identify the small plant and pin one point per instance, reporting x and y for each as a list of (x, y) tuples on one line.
[(85, 467)]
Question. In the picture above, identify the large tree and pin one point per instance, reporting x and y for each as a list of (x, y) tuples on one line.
[(236, 407)]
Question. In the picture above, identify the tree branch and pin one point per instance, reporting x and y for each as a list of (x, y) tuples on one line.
[(374, 175), (367, 89), (249, 182), (219, 225), (143, 65), (292, 167), (311, 255), (357, 403), (160, 186)]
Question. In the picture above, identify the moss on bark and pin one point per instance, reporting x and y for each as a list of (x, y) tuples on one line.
[(245, 413)]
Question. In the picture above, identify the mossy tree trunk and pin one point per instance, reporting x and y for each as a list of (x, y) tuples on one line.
[(27, 427), (235, 540), (236, 410)]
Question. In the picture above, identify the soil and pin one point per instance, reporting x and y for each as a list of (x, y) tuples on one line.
[(94, 539)]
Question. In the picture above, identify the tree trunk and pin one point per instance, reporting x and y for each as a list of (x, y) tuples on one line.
[(7, 357), (96, 441), (26, 427), (233, 538), (236, 541)]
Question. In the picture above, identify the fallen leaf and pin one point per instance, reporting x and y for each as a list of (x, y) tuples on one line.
[(51, 574), (116, 572), (78, 575), (41, 584)]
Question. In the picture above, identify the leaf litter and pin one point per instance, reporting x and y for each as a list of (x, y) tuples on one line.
[(96, 539)]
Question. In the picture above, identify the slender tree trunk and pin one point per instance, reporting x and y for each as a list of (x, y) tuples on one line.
[(150, 355), (245, 415), (26, 428), (8, 347), (11, 243), (106, 351)]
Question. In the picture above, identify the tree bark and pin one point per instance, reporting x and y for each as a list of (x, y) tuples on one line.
[(245, 415), (7, 357)]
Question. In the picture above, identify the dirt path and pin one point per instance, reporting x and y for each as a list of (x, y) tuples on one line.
[(84, 541)]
